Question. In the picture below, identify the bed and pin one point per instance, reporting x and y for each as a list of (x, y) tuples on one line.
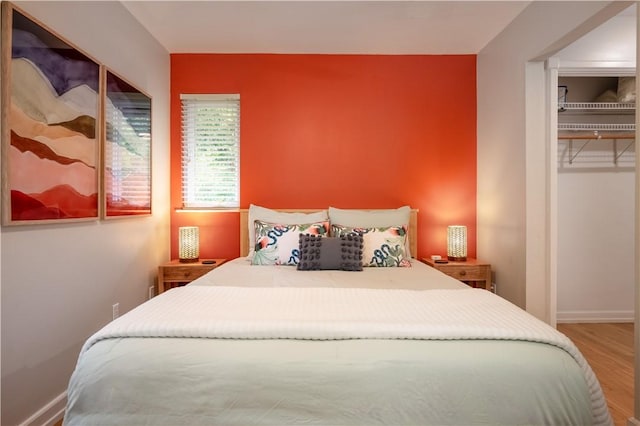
[(250, 343)]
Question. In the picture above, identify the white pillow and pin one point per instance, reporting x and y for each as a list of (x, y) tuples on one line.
[(372, 219), (268, 215)]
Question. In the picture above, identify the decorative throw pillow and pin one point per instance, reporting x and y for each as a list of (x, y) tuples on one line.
[(383, 246), (375, 218), (319, 252), (277, 244), (275, 216)]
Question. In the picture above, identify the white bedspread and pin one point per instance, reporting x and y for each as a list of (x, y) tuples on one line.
[(341, 313)]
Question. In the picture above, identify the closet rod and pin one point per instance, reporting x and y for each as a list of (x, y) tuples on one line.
[(596, 135)]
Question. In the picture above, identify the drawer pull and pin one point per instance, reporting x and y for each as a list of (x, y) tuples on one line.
[(463, 273)]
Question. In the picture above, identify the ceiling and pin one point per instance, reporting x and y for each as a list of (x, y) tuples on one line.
[(613, 42), (341, 27)]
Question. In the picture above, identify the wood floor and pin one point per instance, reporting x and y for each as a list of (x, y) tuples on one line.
[(609, 350)]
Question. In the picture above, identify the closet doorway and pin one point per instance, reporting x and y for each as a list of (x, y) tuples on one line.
[(596, 196), (595, 174)]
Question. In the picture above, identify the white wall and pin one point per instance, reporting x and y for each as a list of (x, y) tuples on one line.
[(596, 245), (505, 139), (60, 281)]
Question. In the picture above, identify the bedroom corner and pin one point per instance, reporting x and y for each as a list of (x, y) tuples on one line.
[(60, 280)]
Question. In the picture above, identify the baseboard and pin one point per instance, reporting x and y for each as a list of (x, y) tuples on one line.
[(49, 414), (595, 316)]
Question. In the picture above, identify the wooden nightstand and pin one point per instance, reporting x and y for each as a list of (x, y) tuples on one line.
[(175, 273), (471, 272)]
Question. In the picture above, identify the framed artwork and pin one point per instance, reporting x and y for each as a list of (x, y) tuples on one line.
[(50, 126), (127, 149)]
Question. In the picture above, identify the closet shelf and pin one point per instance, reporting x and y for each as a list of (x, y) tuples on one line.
[(585, 133), (598, 127), (596, 106), (596, 131)]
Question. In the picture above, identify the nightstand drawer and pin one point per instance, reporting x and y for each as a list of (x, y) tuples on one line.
[(175, 273), (184, 273), (466, 273), (471, 271)]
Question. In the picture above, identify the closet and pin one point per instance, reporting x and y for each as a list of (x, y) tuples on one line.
[(596, 180)]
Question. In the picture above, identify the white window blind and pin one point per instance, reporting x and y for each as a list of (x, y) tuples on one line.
[(210, 151)]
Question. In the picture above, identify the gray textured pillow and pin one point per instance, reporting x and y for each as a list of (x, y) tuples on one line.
[(318, 252)]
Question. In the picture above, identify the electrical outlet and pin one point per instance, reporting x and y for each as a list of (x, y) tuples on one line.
[(151, 292), (115, 309)]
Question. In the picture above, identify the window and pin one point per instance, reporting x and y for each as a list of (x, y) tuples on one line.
[(210, 151)]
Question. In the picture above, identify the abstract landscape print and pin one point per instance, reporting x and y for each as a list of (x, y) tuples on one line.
[(50, 137), (127, 149)]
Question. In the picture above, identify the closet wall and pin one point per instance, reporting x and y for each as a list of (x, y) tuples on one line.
[(596, 175)]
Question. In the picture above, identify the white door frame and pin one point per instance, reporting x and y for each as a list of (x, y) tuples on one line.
[(540, 205)]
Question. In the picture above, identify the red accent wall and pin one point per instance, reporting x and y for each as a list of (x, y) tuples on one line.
[(350, 131)]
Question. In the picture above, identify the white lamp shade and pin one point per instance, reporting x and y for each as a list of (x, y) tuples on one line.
[(188, 244), (457, 242)]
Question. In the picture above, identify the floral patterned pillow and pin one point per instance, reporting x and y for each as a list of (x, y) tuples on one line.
[(278, 244), (383, 246)]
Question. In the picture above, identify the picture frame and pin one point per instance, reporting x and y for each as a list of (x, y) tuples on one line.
[(126, 149), (50, 125)]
